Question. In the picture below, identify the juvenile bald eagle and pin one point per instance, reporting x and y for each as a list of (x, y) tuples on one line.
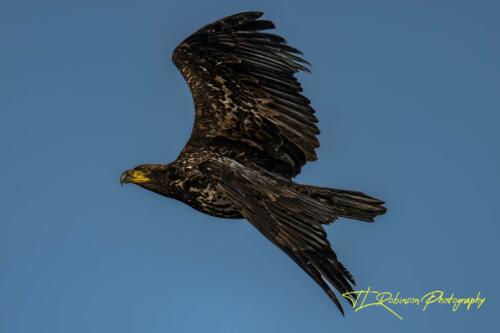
[(253, 132)]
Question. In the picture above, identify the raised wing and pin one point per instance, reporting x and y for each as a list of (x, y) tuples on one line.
[(245, 93), (289, 218)]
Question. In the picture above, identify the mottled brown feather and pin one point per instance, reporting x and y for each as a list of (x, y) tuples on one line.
[(244, 90)]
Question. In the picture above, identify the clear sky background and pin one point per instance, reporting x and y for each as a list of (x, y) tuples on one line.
[(407, 93)]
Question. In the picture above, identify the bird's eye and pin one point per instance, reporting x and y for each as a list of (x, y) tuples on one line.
[(146, 171)]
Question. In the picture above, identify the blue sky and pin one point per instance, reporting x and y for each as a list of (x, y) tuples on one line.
[(407, 93)]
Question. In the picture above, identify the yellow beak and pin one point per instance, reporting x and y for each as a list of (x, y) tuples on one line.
[(134, 176)]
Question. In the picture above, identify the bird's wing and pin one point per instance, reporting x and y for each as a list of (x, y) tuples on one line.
[(291, 220), (244, 90)]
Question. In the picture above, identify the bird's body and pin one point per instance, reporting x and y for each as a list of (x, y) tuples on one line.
[(253, 132), (187, 182)]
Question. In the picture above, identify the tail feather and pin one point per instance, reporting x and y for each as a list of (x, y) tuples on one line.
[(349, 204)]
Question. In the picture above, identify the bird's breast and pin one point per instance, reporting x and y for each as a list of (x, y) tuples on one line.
[(209, 200)]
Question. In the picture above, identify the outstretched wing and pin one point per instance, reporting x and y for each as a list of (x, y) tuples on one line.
[(245, 92), (288, 218)]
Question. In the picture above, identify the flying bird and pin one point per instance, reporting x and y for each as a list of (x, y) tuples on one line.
[(253, 132)]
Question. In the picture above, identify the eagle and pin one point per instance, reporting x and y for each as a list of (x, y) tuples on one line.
[(253, 132)]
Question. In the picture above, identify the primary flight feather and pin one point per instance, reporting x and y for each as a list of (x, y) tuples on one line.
[(253, 132)]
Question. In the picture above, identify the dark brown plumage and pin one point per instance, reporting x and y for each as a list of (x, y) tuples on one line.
[(253, 132)]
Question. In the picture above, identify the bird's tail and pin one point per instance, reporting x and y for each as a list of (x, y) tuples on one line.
[(349, 204)]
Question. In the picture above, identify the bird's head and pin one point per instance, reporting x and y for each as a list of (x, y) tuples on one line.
[(146, 175)]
